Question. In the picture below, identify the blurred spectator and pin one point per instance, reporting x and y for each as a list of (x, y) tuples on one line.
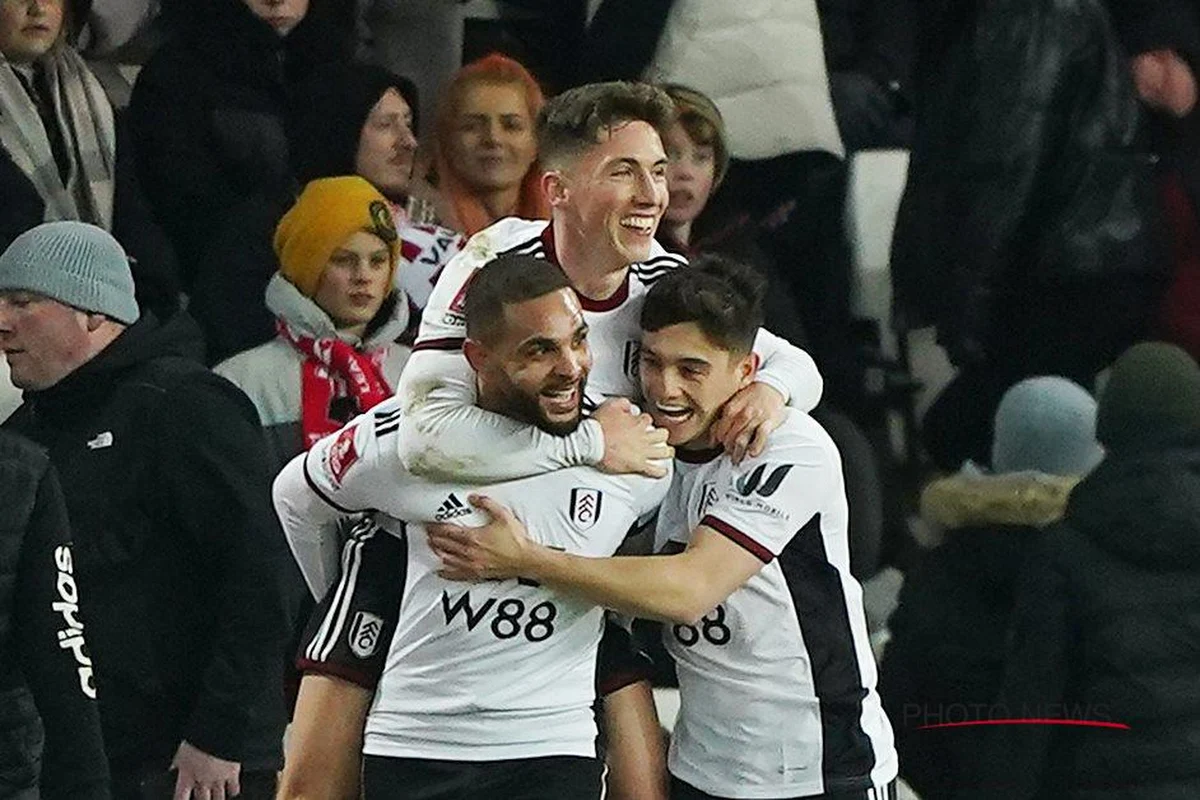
[(1026, 232), (337, 316), (59, 153), (39, 597), (344, 119), (485, 152), (1107, 620), (870, 47), (178, 556), (208, 111), (950, 629)]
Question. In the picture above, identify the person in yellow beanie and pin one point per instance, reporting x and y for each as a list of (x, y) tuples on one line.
[(337, 316)]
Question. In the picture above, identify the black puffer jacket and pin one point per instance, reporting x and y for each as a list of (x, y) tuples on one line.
[(207, 115), (37, 600), (1030, 211), (178, 554), (945, 660), (1107, 627)]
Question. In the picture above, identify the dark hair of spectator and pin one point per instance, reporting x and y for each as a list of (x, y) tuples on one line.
[(722, 296), (574, 120), (703, 123), (506, 281)]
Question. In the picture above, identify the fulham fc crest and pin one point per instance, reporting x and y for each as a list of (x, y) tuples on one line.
[(365, 633), (585, 507)]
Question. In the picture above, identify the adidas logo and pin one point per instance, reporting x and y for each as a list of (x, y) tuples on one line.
[(450, 508)]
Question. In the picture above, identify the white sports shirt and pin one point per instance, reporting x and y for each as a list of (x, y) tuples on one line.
[(777, 684), (475, 672), (445, 434)]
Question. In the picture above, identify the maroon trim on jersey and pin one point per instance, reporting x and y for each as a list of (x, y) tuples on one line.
[(586, 303), (362, 678), (698, 456), (737, 537), (450, 343)]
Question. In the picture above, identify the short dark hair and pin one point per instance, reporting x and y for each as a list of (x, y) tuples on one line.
[(505, 281), (572, 122), (722, 296)]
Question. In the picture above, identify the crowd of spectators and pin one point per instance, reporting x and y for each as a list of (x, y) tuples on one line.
[(199, 286)]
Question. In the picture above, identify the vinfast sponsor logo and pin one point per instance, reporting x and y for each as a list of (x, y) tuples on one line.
[(70, 637), (970, 715)]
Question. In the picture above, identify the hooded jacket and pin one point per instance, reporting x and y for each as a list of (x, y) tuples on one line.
[(945, 660), (208, 110), (1107, 628), (270, 374), (178, 556)]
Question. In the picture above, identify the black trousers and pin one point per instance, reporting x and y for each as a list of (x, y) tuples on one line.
[(549, 778), (685, 791)]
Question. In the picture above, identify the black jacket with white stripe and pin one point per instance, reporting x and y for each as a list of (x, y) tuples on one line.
[(179, 558)]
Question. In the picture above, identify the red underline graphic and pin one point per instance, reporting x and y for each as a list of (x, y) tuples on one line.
[(1079, 723)]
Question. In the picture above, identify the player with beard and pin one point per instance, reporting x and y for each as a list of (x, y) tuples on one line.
[(480, 691), (776, 676)]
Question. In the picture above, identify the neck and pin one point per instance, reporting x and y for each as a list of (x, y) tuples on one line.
[(356, 330), (500, 203), (678, 232), (595, 272)]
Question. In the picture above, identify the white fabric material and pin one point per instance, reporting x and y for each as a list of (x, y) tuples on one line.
[(459, 683), (444, 433), (750, 720), (763, 64)]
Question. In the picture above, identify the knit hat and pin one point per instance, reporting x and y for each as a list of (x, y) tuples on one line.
[(1153, 392), (328, 111), (77, 264), (327, 212), (1047, 425)]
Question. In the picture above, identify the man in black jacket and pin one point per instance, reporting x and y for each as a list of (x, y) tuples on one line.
[(178, 555), (42, 648)]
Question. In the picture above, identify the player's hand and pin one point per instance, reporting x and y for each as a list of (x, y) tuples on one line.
[(747, 419), (1165, 82), (498, 549), (631, 442), (204, 777)]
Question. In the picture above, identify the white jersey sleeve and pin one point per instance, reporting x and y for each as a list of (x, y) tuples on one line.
[(443, 433), (763, 502), (789, 370), (342, 475)]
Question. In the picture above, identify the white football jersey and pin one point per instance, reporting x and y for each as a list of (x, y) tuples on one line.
[(475, 672), (777, 683), (614, 324)]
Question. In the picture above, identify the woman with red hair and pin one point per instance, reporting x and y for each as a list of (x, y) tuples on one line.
[(485, 151)]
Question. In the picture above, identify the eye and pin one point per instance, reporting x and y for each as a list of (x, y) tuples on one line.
[(660, 171), (692, 373)]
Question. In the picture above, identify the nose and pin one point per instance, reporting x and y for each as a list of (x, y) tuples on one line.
[(570, 363), (645, 193), (407, 139), (491, 132)]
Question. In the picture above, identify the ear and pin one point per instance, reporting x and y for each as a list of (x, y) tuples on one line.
[(476, 353), (554, 187), (748, 369)]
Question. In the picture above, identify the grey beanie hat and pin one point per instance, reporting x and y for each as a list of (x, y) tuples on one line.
[(1046, 424), (74, 263)]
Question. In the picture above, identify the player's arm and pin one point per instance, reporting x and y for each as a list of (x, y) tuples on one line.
[(324, 749), (634, 743), (681, 588), (786, 376)]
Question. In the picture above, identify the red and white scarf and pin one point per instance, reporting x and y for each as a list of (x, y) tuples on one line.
[(332, 369)]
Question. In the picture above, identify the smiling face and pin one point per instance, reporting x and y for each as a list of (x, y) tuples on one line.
[(387, 145), (536, 368), (29, 28), (356, 281), (689, 175), (492, 146), (282, 15), (615, 193), (686, 379)]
